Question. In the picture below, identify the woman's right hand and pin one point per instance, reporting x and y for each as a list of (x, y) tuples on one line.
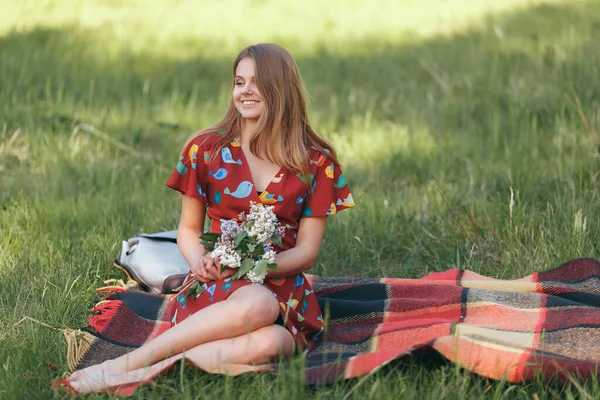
[(206, 269)]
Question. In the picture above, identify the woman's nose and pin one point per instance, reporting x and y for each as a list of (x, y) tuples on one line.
[(247, 88)]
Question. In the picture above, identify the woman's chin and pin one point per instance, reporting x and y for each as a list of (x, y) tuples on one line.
[(251, 116)]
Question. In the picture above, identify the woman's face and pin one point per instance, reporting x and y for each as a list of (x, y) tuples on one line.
[(246, 97)]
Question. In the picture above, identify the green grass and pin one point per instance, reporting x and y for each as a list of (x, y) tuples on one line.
[(439, 109)]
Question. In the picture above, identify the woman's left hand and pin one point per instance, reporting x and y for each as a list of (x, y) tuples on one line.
[(213, 270), (206, 269), (228, 273)]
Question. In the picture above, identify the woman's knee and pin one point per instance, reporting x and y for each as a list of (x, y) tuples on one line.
[(256, 307), (274, 341)]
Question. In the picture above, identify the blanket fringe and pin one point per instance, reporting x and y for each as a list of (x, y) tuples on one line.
[(118, 285), (103, 313), (78, 344)]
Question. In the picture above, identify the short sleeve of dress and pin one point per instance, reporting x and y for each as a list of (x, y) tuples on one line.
[(329, 192), (189, 175)]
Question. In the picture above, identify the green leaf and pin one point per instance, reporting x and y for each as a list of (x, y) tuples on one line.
[(277, 241), (210, 236), (245, 267), (239, 237), (272, 266), (259, 250), (196, 289), (243, 247), (261, 267), (250, 247)]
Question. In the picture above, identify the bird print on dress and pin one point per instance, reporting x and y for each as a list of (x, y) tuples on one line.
[(299, 281), (319, 161), (304, 179), (243, 190), (268, 198), (181, 168), (227, 285), (228, 158), (181, 300), (293, 303), (193, 155), (220, 174), (277, 179), (329, 171), (211, 291), (307, 211), (332, 209), (341, 182), (347, 202)]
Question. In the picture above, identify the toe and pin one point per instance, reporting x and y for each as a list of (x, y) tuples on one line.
[(74, 376)]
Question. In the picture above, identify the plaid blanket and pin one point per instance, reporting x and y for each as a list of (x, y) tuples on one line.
[(547, 323)]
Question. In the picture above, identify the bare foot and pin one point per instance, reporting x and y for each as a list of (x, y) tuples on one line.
[(90, 372), (97, 379), (89, 383)]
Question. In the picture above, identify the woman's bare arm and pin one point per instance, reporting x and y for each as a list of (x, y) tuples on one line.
[(191, 227), (302, 256)]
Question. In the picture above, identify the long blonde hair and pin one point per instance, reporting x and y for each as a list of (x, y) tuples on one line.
[(283, 133)]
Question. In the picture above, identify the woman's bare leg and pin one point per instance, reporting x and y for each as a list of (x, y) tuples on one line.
[(256, 347), (245, 310)]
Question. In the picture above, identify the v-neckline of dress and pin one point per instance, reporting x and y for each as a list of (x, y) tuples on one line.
[(251, 178)]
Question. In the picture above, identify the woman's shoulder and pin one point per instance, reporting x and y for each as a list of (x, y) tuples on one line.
[(205, 140)]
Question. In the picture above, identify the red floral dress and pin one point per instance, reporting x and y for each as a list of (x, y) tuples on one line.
[(224, 183)]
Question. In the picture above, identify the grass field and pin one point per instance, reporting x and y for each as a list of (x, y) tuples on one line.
[(467, 131)]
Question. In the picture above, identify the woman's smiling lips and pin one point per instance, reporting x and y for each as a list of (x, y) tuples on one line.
[(249, 102)]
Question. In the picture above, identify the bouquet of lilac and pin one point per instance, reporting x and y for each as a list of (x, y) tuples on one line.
[(246, 244)]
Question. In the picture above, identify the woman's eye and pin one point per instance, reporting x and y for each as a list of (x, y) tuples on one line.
[(239, 83)]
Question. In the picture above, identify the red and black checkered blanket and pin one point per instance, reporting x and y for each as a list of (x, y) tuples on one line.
[(545, 324)]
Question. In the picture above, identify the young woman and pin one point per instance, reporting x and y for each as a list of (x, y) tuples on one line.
[(264, 150)]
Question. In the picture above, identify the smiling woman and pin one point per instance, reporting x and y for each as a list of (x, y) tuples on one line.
[(263, 151)]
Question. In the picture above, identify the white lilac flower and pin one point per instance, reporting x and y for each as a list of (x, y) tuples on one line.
[(225, 252), (269, 256), (252, 277), (264, 222), (229, 228)]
